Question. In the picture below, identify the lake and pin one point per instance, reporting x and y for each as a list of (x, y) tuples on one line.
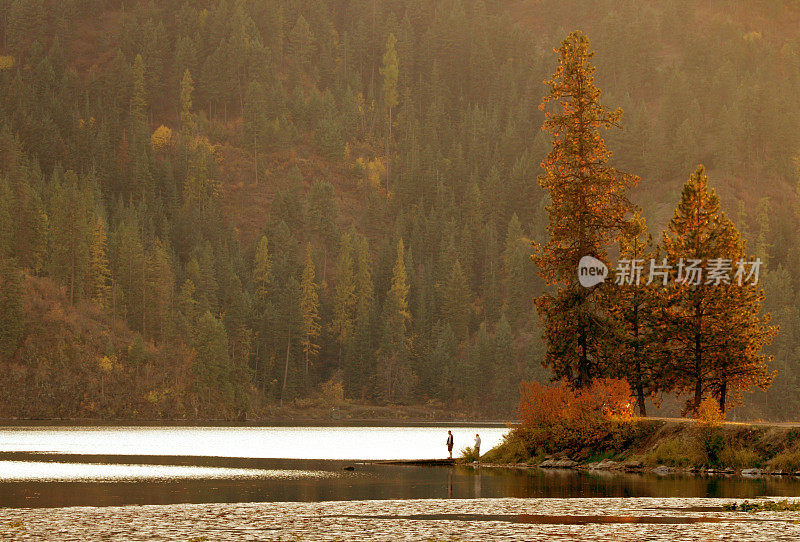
[(104, 466)]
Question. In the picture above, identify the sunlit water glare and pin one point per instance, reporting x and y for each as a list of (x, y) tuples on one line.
[(29, 471), (364, 443)]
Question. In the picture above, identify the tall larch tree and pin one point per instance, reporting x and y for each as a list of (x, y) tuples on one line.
[(588, 210), (309, 307), (712, 325)]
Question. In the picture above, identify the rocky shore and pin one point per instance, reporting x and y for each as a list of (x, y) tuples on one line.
[(666, 448)]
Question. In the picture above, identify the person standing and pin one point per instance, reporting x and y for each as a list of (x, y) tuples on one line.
[(450, 443), (477, 445)]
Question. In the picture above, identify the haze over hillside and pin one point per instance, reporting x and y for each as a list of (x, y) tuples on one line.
[(209, 208)]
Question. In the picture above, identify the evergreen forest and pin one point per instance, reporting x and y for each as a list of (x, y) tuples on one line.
[(215, 209)]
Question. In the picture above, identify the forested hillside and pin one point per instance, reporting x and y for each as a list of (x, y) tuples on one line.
[(254, 200)]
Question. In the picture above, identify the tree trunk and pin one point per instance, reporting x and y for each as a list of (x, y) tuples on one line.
[(286, 366), (723, 392), (388, 153), (698, 365), (255, 157), (583, 361), (72, 279)]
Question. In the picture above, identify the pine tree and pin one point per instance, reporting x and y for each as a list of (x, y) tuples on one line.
[(160, 285), (139, 98), (344, 300), (188, 118), (256, 120), (517, 273), (323, 213), (99, 270), (714, 330), (638, 348), (262, 269), (398, 316), (309, 306), (390, 70), (12, 311), (300, 43), (587, 212), (71, 231), (457, 302)]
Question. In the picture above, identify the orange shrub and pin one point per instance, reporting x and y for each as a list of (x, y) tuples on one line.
[(558, 418)]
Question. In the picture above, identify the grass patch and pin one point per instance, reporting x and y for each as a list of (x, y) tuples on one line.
[(740, 458), (788, 460), (511, 450), (674, 452)]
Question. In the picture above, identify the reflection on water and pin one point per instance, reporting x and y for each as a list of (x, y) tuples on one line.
[(310, 480), (52, 471), (373, 443)]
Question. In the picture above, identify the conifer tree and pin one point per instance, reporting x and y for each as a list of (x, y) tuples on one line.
[(188, 118), (323, 213), (139, 98), (344, 300), (12, 311), (99, 270), (309, 306), (713, 327), (587, 212), (390, 70), (160, 284), (262, 269), (398, 316), (636, 303), (256, 121), (300, 43), (71, 231), (457, 302)]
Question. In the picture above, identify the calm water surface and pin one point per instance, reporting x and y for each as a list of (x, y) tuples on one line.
[(55, 467)]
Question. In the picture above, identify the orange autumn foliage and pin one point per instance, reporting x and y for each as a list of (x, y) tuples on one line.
[(558, 418)]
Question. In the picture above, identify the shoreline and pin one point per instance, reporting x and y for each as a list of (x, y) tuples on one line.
[(614, 467), (662, 448)]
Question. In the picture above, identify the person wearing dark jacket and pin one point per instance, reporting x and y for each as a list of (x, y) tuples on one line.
[(450, 443)]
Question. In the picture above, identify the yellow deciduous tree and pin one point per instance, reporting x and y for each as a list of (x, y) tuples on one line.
[(161, 138)]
